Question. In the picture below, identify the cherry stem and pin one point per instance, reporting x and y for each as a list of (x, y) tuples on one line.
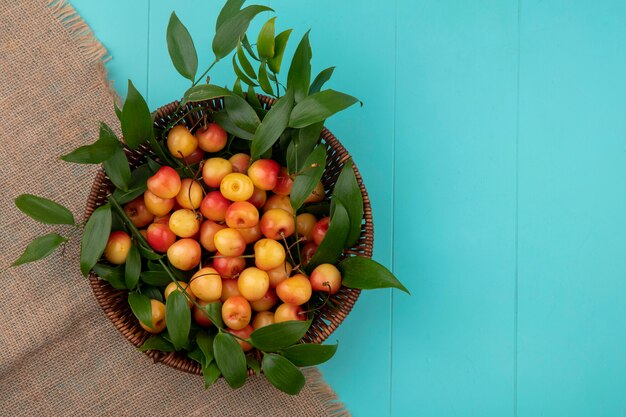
[(293, 176), (326, 284), (288, 251)]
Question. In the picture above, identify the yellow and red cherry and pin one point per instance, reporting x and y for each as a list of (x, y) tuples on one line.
[(211, 138), (180, 141), (165, 183), (237, 187), (214, 206), (214, 170), (117, 247), (320, 229), (268, 254), (184, 254), (277, 224), (160, 237), (295, 290), (264, 173)]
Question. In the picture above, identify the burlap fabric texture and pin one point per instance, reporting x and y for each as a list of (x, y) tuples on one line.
[(59, 355)]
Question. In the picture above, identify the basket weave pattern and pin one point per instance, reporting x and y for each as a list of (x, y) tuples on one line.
[(114, 302)]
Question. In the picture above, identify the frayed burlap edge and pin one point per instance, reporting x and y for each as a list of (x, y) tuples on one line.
[(328, 397), (93, 50), (86, 41)]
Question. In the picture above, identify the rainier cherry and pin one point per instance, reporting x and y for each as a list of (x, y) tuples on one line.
[(211, 138), (284, 183), (279, 274), (184, 223), (158, 317), (165, 183), (245, 334), (262, 319), (190, 194), (208, 228), (320, 229), (214, 206), (160, 237), (184, 254), (277, 224), (237, 187), (251, 234), (326, 274), (138, 213), (228, 266), (194, 157), (268, 254), (253, 283), (157, 205), (181, 142), (229, 242), (278, 201), (317, 194), (236, 312), (118, 245), (295, 290), (264, 173), (241, 215), (206, 284), (229, 289), (240, 162), (214, 170), (266, 302), (307, 252), (199, 316), (259, 197), (171, 287), (305, 223), (288, 312)]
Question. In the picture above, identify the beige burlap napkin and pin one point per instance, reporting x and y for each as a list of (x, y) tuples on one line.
[(59, 355)]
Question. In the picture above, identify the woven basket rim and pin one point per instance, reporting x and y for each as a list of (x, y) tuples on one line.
[(113, 302)]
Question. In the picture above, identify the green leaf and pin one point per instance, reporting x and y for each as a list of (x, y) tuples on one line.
[(283, 374), (280, 44), (246, 45), (240, 74), (43, 210), (318, 107), (177, 318), (253, 99), (245, 63), (196, 355), (264, 80), (253, 364), (40, 248), (148, 253), (272, 126), (141, 307), (136, 118), (124, 197), (181, 48), (156, 342), (132, 268), (95, 237), (299, 74), (237, 88), (204, 92), (215, 313), (151, 292), (210, 372), (113, 275), (331, 247), (205, 343), (241, 113), (118, 170), (118, 111), (366, 274), (231, 8), (97, 152), (279, 335), (301, 146), (305, 183), (309, 354), (223, 119), (230, 359), (347, 191), (231, 30), (265, 41), (320, 80), (156, 278)]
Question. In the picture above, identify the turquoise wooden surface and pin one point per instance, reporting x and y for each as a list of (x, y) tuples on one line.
[(493, 144)]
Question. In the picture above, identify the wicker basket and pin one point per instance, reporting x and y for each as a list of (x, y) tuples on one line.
[(114, 302)]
